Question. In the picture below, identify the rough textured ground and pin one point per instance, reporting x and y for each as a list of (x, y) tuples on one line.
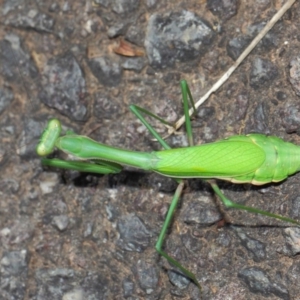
[(65, 234)]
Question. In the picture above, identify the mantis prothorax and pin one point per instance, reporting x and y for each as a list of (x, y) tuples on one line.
[(254, 158)]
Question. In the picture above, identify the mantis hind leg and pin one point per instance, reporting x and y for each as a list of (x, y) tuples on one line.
[(229, 204), (138, 111)]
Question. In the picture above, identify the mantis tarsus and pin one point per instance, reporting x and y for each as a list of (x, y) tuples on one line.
[(255, 158)]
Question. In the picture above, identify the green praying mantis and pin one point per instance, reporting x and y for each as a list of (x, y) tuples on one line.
[(254, 158)]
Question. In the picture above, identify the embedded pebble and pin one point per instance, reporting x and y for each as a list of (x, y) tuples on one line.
[(147, 276), (258, 282), (67, 93), (125, 6), (47, 182), (224, 9), (11, 54), (292, 236), (134, 64), (6, 97), (257, 248), (106, 70), (134, 236), (76, 294), (176, 36), (202, 213), (290, 118), (263, 71), (128, 287), (32, 19), (179, 280), (14, 262), (61, 222), (295, 74)]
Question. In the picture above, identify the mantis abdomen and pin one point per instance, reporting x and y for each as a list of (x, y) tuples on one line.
[(253, 158)]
